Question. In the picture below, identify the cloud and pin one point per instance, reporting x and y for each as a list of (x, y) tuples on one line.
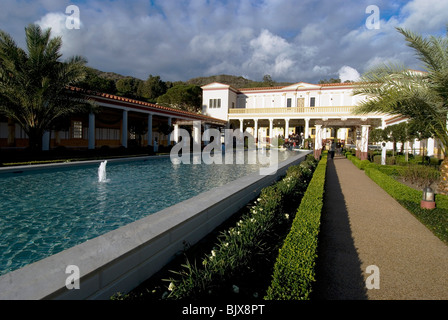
[(348, 73), (427, 16), (179, 40)]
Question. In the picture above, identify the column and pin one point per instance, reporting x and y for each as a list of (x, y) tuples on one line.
[(286, 128), (206, 134), (91, 131), (150, 143), (170, 120), (256, 130), (242, 125), (271, 129), (318, 142), (364, 142), (197, 133), (124, 132), (176, 133), (430, 147), (307, 128)]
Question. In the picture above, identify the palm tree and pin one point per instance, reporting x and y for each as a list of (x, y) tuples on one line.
[(34, 85), (419, 96)]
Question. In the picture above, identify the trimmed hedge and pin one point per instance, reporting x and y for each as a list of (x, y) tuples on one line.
[(294, 272)]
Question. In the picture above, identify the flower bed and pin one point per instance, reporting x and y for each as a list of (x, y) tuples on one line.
[(294, 269)]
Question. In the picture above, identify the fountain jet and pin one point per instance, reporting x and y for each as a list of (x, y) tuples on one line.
[(102, 172)]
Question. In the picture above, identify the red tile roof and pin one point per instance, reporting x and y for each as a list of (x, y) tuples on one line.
[(147, 105)]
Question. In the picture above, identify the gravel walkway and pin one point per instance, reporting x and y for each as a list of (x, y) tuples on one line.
[(363, 226)]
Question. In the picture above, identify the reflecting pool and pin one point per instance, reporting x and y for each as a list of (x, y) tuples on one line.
[(44, 212)]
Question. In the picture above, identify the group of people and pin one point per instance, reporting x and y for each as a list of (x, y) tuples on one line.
[(294, 140)]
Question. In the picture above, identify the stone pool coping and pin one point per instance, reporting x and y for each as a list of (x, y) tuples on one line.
[(120, 260)]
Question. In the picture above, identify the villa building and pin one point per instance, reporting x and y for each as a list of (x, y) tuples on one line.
[(319, 112)]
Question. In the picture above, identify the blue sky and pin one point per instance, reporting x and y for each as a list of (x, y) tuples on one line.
[(290, 40)]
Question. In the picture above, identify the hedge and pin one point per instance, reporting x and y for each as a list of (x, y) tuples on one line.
[(252, 236), (294, 270)]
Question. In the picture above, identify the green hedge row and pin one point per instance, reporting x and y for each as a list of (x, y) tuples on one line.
[(253, 236), (294, 270)]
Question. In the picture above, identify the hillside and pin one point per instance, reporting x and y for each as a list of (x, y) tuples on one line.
[(234, 81)]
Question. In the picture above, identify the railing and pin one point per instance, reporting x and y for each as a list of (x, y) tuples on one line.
[(293, 111)]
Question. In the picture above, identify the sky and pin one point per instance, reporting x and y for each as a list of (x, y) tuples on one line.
[(290, 40)]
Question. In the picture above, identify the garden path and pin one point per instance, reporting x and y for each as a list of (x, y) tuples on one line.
[(363, 226)]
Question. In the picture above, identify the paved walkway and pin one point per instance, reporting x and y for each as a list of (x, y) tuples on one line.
[(363, 226)]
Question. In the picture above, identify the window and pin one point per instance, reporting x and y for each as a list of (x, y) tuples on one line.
[(77, 130), (312, 102), (289, 103), (214, 103)]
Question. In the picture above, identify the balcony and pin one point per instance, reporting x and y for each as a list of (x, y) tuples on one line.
[(301, 111)]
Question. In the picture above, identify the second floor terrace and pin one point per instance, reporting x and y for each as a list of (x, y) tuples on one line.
[(326, 111)]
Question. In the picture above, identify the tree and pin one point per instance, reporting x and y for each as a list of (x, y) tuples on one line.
[(153, 88), (376, 135), (267, 80), (130, 87), (420, 96), (34, 84), (183, 97), (94, 82)]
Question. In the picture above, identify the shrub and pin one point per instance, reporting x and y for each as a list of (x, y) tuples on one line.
[(294, 272), (420, 175)]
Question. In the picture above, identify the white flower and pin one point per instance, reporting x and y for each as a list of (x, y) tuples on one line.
[(213, 253), (287, 216), (226, 244), (171, 286)]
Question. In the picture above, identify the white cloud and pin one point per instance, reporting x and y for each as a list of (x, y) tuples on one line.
[(425, 15), (348, 73)]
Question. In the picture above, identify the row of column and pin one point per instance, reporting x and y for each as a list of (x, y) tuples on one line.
[(271, 126), (124, 137), (91, 132)]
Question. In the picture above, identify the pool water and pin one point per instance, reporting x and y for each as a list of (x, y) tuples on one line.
[(47, 211)]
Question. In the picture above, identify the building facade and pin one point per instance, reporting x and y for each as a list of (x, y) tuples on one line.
[(318, 113)]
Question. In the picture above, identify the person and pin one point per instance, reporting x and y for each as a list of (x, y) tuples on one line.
[(332, 149)]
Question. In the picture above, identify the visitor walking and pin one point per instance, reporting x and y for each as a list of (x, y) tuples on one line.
[(332, 149)]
